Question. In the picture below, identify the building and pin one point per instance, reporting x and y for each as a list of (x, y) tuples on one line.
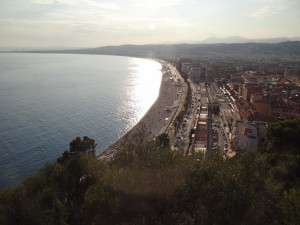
[(195, 74), (226, 114), (249, 89), (185, 67), (247, 136), (210, 75), (261, 103)]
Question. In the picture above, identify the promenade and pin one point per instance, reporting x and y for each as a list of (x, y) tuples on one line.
[(157, 120)]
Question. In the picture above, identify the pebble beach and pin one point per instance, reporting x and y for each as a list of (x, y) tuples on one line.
[(159, 117)]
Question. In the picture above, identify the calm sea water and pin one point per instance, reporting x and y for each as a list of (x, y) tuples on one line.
[(46, 100)]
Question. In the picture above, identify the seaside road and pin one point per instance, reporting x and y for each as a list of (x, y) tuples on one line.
[(155, 119)]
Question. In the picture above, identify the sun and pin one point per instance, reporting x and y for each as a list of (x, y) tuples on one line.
[(152, 27)]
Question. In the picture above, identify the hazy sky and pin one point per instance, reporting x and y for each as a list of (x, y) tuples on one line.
[(93, 23)]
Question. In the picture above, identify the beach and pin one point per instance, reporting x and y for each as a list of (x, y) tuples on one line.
[(159, 117)]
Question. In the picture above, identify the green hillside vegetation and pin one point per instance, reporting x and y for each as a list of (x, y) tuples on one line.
[(150, 184)]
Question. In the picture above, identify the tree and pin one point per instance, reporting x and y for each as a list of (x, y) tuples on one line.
[(290, 206), (284, 157), (284, 136), (163, 140), (65, 156), (85, 145), (148, 183)]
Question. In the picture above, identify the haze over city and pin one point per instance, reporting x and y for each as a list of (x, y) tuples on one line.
[(91, 23)]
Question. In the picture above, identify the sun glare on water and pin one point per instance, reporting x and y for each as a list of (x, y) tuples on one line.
[(146, 78)]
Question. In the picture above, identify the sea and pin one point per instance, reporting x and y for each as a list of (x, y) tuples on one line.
[(47, 100)]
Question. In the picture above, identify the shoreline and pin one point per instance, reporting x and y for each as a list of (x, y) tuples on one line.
[(157, 119)]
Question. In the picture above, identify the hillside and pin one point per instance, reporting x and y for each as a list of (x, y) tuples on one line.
[(246, 50), (150, 184), (238, 39)]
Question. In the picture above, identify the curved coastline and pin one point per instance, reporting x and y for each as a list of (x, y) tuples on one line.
[(157, 119)]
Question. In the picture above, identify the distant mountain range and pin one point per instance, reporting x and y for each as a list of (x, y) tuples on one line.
[(256, 51), (237, 39)]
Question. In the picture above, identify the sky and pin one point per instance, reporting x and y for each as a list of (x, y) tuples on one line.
[(93, 23)]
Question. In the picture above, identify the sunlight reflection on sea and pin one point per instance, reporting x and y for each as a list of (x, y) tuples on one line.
[(48, 99)]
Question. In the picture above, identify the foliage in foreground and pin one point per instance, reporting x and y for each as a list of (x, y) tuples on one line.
[(150, 184)]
